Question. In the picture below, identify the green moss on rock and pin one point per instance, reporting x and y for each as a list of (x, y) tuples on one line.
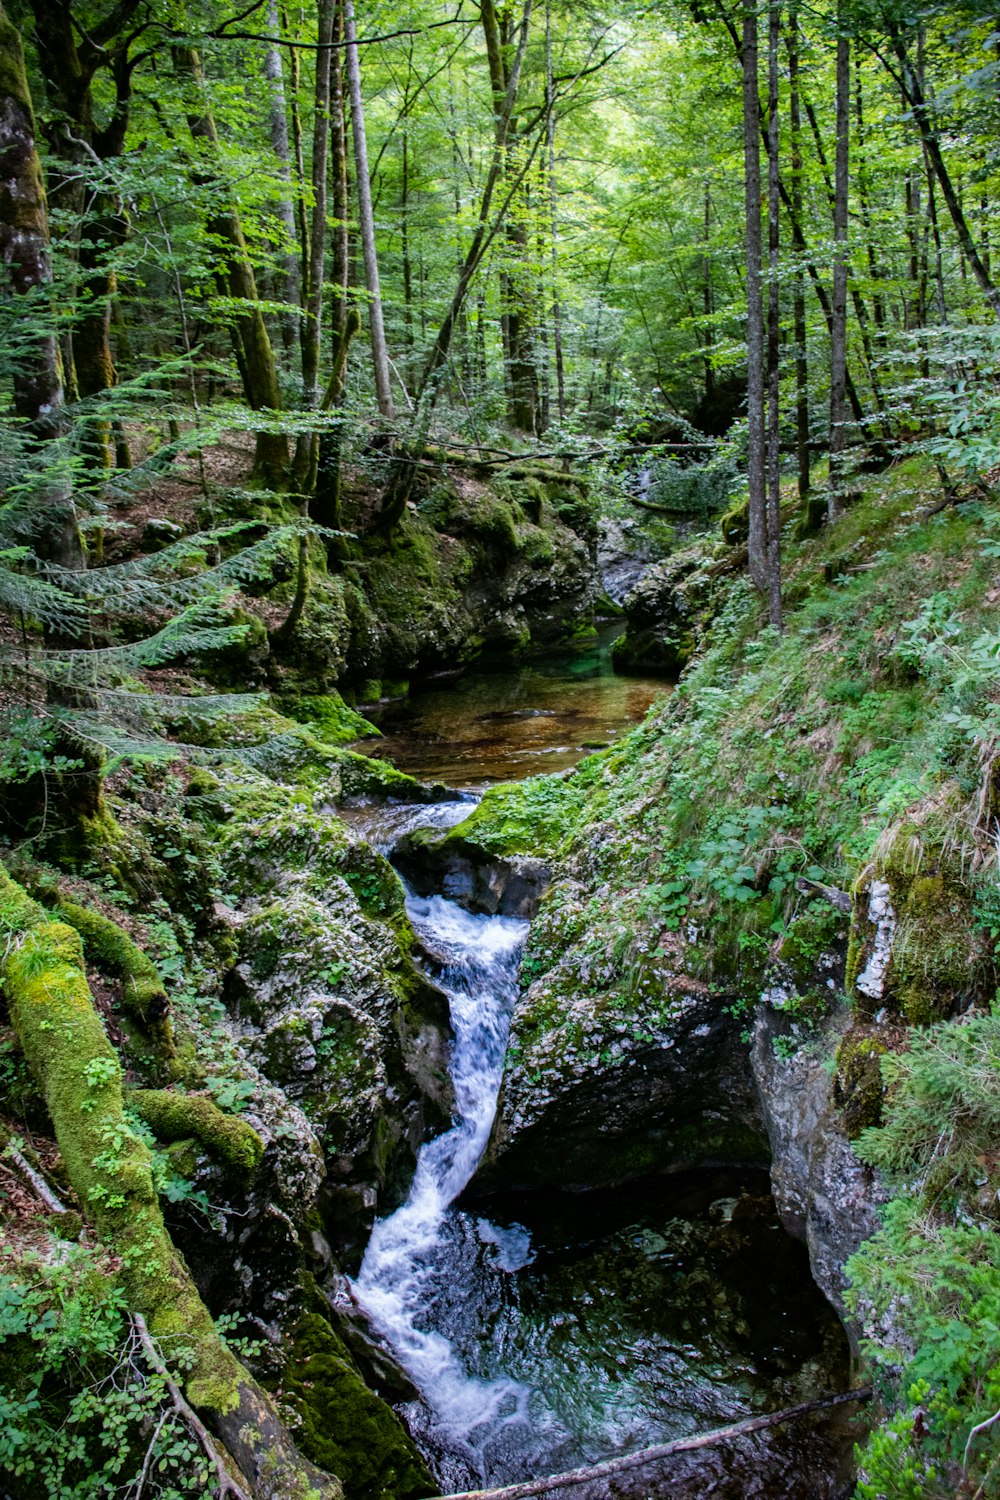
[(345, 1427), (935, 964), (859, 1089), (330, 717)]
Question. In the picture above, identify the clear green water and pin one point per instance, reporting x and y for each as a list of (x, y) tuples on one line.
[(485, 727)]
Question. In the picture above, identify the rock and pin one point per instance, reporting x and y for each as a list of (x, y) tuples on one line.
[(159, 532), (623, 556), (824, 1194), (507, 886), (610, 1076), (664, 614), (915, 950), (483, 568)]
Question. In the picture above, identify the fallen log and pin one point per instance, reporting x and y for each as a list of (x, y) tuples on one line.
[(530, 1488)]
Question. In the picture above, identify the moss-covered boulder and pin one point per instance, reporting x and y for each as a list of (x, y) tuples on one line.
[(664, 615), (915, 950), (481, 566), (345, 1427), (331, 1008), (620, 1062)]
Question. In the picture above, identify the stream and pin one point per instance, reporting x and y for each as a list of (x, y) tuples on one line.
[(564, 1329), (480, 727)]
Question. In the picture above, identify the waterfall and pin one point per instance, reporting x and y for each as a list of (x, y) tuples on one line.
[(476, 959)]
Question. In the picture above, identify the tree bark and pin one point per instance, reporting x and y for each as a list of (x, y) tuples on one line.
[(755, 305), (70, 59), (380, 353), (550, 99), (27, 272), (503, 110), (773, 325), (798, 287), (307, 446), (838, 329), (235, 275), (274, 73), (914, 94)]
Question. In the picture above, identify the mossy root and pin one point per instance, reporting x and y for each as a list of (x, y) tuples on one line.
[(175, 1117)]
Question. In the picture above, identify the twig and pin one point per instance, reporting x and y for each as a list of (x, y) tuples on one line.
[(980, 1427), (140, 1486), (227, 1485), (840, 899), (36, 1180), (532, 1487)]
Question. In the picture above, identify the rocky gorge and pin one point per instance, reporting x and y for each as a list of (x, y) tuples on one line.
[(729, 931)]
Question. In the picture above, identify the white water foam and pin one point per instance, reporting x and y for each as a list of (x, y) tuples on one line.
[(478, 957)]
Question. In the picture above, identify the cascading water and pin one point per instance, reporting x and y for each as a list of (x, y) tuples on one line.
[(623, 1319), (476, 961)]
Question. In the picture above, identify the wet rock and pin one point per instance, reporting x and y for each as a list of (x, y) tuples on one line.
[(825, 1195), (505, 886), (664, 614), (597, 1098), (623, 555)]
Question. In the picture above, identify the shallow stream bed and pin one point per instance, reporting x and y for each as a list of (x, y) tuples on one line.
[(482, 727)]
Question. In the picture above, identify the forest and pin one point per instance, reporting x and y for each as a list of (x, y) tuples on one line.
[(500, 757)]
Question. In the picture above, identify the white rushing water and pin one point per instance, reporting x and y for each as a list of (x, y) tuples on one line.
[(478, 956)]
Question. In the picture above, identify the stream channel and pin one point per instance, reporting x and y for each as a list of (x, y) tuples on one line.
[(565, 1329)]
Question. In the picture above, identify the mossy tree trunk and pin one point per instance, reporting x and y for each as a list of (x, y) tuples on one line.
[(80, 1077)]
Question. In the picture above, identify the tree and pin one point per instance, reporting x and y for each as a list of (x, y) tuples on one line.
[(756, 454), (50, 524), (838, 326)]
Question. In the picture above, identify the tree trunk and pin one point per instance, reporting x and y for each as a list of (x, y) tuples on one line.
[(798, 286), (380, 353), (27, 272), (307, 447), (838, 330), (550, 96), (274, 74), (915, 97), (340, 244), (485, 231), (235, 275), (773, 325), (69, 60), (755, 307)]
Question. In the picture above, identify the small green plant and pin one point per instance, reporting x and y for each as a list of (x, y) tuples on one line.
[(230, 1094), (81, 1417)]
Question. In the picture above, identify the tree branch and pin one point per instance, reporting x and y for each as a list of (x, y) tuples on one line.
[(638, 1460), (227, 1485)]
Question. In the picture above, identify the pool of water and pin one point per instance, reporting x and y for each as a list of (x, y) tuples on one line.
[(483, 727)]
